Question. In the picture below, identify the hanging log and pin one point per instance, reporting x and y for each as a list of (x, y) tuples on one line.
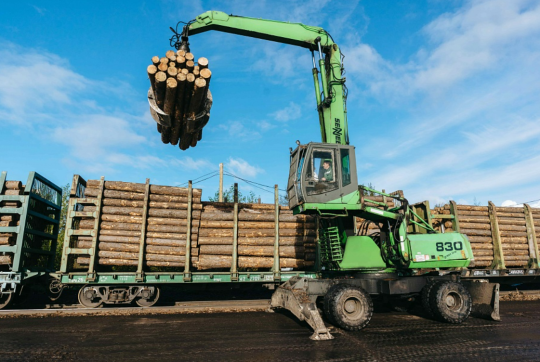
[(197, 100), (160, 84), (155, 60), (179, 111), (170, 54), (202, 62), (152, 70), (180, 62), (189, 56)]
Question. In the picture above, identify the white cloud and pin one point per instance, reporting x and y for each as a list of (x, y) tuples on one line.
[(289, 113), (194, 165), (238, 131), (240, 167)]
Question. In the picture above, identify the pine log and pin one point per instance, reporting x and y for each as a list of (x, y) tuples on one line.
[(515, 252), (180, 52), (515, 215), (189, 65), (176, 236), (120, 232), (149, 249), (6, 259), (162, 67), (13, 192), (255, 233), (119, 239), (472, 208), (89, 225), (185, 139), (475, 226), (514, 263), (6, 240), (462, 213), (7, 217), (228, 206), (170, 54), (524, 258), (119, 262), (155, 60), (202, 62), (255, 225), (114, 210), (259, 241), (206, 74), (122, 218), (482, 253), (152, 70), (196, 102), (251, 216), (507, 246), (171, 229), (13, 185), (140, 187), (248, 250), (484, 246), (160, 83), (170, 242), (222, 261), (180, 62), (167, 221), (189, 56), (93, 192), (179, 111), (180, 214)]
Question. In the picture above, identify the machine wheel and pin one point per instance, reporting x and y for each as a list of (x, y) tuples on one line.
[(5, 300), (148, 301), (425, 297), (89, 298), (450, 302), (327, 302), (350, 307)]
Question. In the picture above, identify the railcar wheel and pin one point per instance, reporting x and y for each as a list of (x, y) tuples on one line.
[(451, 302), (351, 307), (89, 298), (147, 299), (5, 300)]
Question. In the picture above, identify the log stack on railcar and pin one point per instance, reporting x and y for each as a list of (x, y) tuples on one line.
[(500, 236), (144, 225)]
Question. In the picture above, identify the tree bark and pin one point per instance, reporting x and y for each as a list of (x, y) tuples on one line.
[(152, 70), (255, 233), (179, 111), (247, 250), (160, 84), (268, 241), (6, 259)]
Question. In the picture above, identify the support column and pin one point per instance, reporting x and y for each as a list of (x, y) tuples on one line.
[(498, 256)]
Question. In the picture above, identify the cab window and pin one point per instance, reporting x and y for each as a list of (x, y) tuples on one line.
[(320, 173)]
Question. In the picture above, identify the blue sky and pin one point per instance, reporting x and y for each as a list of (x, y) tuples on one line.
[(444, 96)]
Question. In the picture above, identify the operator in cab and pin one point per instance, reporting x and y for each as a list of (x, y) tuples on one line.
[(327, 175)]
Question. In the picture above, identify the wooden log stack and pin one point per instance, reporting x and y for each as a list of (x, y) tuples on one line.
[(256, 237), (121, 224), (485, 225), (181, 90), (11, 188)]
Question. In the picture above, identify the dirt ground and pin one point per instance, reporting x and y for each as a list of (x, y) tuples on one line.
[(259, 336)]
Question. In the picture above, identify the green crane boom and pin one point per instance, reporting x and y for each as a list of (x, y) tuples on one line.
[(331, 105)]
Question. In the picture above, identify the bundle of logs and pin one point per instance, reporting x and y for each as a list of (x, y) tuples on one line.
[(121, 224), (256, 237), (180, 90), (474, 221), (11, 188)]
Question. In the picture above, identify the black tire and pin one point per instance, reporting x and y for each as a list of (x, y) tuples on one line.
[(425, 297), (450, 302), (327, 302), (351, 308), (149, 301)]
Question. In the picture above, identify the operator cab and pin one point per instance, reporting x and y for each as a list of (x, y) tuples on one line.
[(320, 173)]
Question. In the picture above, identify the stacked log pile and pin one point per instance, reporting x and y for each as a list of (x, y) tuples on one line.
[(256, 237), (371, 228), (181, 90), (474, 221), (11, 188), (121, 224)]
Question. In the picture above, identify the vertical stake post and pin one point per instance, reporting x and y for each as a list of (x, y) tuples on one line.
[(498, 257), (142, 241), (234, 265), (91, 275), (276, 268), (531, 238), (455, 220), (187, 262), (220, 182)]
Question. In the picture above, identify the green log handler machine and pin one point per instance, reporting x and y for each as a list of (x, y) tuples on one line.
[(407, 259)]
